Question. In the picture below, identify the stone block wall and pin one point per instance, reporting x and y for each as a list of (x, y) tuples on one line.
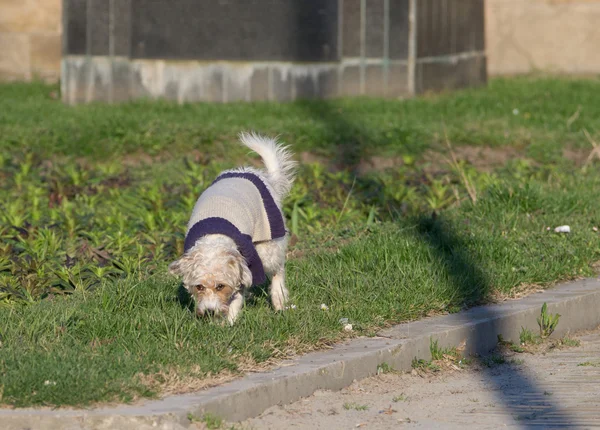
[(190, 50), (30, 39), (556, 36)]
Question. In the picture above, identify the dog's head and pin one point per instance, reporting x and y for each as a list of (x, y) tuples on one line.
[(213, 272)]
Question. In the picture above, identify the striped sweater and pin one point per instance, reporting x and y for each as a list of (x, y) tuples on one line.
[(238, 205)]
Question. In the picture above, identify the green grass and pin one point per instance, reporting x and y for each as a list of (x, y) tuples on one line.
[(590, 363), (355, 406), (30, 118), (86, 233)]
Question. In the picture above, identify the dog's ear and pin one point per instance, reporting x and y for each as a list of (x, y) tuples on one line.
[(175, 267), (236, 260), (246, 276)]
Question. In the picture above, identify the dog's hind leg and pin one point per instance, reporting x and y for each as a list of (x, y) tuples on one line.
[(235, 307), (279, 294)]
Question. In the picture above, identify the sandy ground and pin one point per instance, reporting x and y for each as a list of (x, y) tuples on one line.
[(550, 389)]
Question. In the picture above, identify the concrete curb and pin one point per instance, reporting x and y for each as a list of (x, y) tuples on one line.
[(578, 303)]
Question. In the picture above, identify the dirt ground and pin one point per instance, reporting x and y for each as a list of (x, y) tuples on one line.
[(559, 388)]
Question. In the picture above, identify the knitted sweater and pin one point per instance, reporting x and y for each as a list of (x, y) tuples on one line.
[(238, 205)]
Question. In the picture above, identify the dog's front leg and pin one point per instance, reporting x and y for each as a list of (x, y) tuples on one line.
[(279, 294), (235, 307)]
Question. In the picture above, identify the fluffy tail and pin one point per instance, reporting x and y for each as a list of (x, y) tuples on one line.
[(277, 158)]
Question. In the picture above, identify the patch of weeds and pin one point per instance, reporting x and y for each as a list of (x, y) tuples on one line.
[(569, 341), (211, 421), (548, 393), (590, 364), (384, 368), (547, 322), (493, 360), (355, 406), (419, 363), (510, 345), (527, 337), (436, 352), (517, 361), (440, 358), (400, 398)]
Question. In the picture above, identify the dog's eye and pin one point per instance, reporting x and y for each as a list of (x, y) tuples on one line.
[(200, 287), (220, 287)]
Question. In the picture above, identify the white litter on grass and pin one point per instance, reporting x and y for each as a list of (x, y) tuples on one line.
[(49, 382), (343, 320), (595, 228), (515, 111), (348, 327), (324, 307), (563, 229), (290, 307)]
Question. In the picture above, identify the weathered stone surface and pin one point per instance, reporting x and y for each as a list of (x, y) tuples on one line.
[(121, 80), (375, 84), (328, 80), (101, 76), (33, 16), (374, 29), (397, 81), (306, 84), (99, 27), (441, 76), (555, 36), (14, 61), (449, 26), (237, 83), (76, 27), (121, 34), (74, 86), (233, 30), (259, 84), (281, 84), (351, 81), (351, 28), (398, 49), (45, 54)]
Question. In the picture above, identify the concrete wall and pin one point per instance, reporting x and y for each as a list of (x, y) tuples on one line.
[(280, 50), (30, 39), (561, 36)]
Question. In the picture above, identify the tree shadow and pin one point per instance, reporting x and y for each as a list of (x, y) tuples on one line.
[(532, 407), (353, 141)]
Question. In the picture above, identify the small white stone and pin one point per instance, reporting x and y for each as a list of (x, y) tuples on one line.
[(563, 229), (348, 327)]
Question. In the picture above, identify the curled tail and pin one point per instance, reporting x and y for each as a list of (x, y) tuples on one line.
[(277, 158)]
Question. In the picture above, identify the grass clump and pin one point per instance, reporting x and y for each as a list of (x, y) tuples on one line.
[(355, 406), (547, 322)]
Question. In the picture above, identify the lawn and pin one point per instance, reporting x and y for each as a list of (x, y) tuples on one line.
[(386, 227)]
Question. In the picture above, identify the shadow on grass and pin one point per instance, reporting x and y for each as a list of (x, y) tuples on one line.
[(531, 406), (527, 401)]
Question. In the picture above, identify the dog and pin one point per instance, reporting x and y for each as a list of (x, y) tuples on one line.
[(237, 236)]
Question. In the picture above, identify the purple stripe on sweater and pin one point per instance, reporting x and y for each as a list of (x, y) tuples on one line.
[(273, 212), (243, 241)]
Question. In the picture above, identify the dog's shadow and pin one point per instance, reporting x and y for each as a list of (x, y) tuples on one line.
[(185, 299), (258, 293)]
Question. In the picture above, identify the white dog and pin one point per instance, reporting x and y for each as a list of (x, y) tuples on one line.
[(236, 234)]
